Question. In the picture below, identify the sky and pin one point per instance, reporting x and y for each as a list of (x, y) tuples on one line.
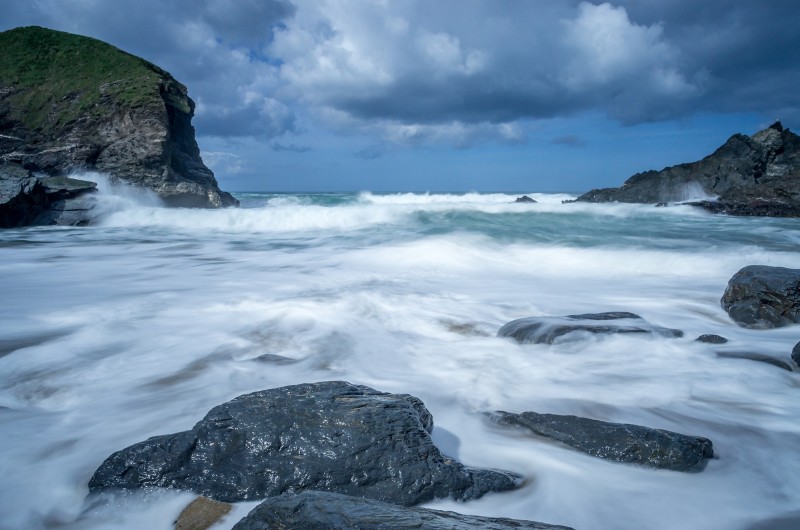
[(455, 95)]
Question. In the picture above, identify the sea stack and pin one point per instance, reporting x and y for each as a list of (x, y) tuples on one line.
[(70, 103)]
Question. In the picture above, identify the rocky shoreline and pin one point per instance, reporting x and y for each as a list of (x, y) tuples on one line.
[(130, 121), (756, 175), (336, 455)]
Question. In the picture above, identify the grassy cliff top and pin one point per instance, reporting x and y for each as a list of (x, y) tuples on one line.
[(58, 78)]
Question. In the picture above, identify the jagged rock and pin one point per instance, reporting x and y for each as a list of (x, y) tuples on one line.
[(758, 357), (525, 198), (330, 436), (796, 354), (26, 199), (751, 175), (201, 514), (70, 103), (332, 511), (618, 442), (711, 339), (759, 296), (537, 330)]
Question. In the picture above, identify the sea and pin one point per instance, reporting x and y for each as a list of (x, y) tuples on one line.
[(138, 324)]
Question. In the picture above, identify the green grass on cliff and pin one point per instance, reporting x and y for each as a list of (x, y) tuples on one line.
[(59, 78)]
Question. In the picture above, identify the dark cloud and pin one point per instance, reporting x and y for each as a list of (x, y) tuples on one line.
[(418, 72)]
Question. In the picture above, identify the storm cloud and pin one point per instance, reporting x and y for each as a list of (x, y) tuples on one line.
[(452, 72)]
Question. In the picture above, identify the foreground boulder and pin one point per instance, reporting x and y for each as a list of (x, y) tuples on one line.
[(331, 511), (537, 330), (618, 442), (330, 436), (70, 103), (763, 297), (750, 175)]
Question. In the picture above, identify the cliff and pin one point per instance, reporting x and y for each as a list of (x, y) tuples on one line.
[(750, 175), (70, 103)]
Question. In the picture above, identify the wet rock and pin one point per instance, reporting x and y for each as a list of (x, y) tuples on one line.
[(329, 436), (758, 357), (201, 514), (618, 442), (749, 175), (763, 297), (525, 198), (796, 354), (537, 330), (711, 339), (331, 511), (788, 521)]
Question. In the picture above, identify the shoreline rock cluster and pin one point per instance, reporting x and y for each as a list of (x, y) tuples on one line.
[(756, 175), (337, 455), (109, 112)]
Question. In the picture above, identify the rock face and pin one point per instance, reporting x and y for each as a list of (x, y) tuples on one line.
[(618, 442), (330, 436), (763, 297), (537, 330), (70, 103), (331, 511), (751, 175)]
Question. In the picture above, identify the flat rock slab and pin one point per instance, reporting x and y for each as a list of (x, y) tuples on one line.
[(538, 330), (331, 511), (618, 442), (329, 436), (201, 514), (763, 297)]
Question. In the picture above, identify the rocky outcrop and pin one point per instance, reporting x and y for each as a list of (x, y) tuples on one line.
[(763, 297), (331, 511), (525, 198), (26, 199), (330, 436), (70, 103), (618, 442), (750, 175), (538, 330)]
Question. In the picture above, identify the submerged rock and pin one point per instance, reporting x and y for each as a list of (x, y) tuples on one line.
[(618, 442), (758, 357), (763, 297), (330, 436), (711, 339), (331, 511), (537, 330)]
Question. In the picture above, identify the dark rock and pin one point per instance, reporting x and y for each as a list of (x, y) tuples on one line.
[(201, 514), (330, 436), (788, 521), (28, 199), (618, 442), (70, 103), (525, 198), (539, 330), (759, 357), (711, 339), (751, 175), (331, 511), (796, 354), (763, 297)]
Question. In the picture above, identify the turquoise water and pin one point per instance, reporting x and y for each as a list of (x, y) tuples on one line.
[(138, 325)]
